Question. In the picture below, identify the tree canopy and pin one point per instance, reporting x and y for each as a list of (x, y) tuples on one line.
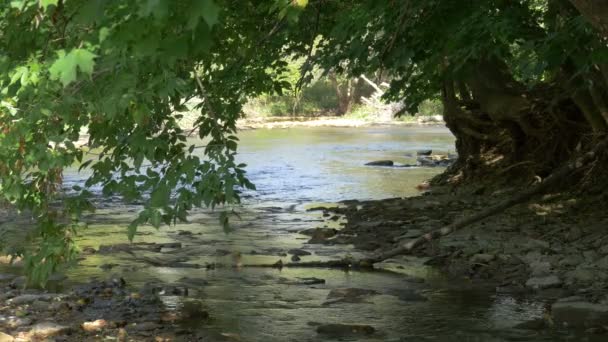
[(523, 79)]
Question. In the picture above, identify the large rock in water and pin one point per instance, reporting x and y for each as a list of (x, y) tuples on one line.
[(381, 163), (579, 314), (434, 161)]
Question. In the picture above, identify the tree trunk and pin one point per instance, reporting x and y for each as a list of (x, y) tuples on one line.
[(345, 93), (585, 103), (596, 12)]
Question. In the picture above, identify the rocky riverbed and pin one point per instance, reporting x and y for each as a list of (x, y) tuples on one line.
[(520, 275), (554, 249), (533, 262)]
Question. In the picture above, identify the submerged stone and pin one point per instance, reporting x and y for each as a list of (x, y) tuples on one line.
[(424, 152), (298, 252), (94, 326), (14, 321), (483, 258), (48, 329), (581, 275), (544, 282), (29, 298), (411, 234), (345, 330), (580, 314), (320, 235), (381, 163), (348, 295), (6, 277), (535, 324), (302, 281)]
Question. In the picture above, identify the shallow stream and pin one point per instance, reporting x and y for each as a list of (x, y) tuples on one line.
[(296, 169)]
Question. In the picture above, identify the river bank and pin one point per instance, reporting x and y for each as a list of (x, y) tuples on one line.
[(553, 249), (329, 121)]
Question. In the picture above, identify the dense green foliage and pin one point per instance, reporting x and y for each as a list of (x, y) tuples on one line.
[(122, 71), (520, 72), (521, 79)]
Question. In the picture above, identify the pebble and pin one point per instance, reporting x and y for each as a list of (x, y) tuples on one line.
[(544, 282), (535, 324), (590, 256), (94, 326), (298, 252), (6, 337), (345, 330), (381, 163), (28, 299), (40, 306), (47, 329), (571, 260), (579, 314), (6, 277), (14, 321), (348, 295), (411, 234), (482, 258), (533, 244), (144, 326), (540, 268), (580, 275), (602, 263), (302, 281)]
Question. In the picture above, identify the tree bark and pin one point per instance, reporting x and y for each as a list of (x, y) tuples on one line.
[(585, 103), (344, 93), (596, 12)]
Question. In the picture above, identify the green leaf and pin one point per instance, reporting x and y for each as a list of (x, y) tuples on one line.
[(104, 32), (46, 3), (159, 8), (160, 196), (225, 221), (155, 218), (131, 230), (65, 67), (208, 10)]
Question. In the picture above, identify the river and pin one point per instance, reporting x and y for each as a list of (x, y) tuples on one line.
[(296, 169)]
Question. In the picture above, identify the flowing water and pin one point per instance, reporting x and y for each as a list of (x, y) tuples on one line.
[(295, 169)]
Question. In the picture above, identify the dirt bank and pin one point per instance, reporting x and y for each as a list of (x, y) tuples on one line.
[(554, 247), (289, 122)]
